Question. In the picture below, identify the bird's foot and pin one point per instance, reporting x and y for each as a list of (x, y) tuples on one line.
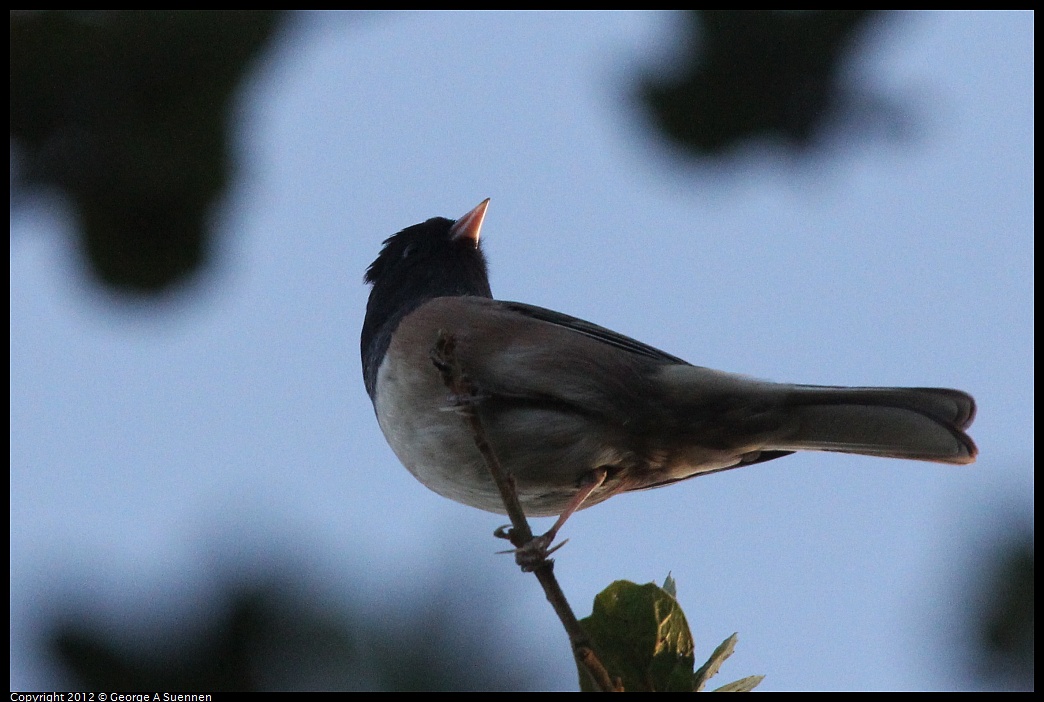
[(534, 552)]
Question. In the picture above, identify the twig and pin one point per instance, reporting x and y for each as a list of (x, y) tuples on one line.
[(443, 355)]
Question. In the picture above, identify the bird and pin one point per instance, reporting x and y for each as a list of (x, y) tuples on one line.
[(577, 413)]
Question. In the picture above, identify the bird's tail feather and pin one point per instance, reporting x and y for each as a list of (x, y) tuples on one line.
[(925, 424), (725, 409)]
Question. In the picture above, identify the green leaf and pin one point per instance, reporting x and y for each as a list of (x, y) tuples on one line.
[(709, 669), (743, 684), (641, 635), (670, 586)]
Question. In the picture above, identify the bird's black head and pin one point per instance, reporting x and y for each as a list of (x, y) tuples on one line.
[(436, 258)]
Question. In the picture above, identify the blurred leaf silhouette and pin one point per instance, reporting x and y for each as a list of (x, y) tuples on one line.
[(126, 113), (1004, 652), (278, 634), (754, 74)]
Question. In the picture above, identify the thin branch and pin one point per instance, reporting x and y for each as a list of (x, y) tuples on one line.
[(443, 355)]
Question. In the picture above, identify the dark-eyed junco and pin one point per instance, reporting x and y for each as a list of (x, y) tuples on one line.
[(578, 413)]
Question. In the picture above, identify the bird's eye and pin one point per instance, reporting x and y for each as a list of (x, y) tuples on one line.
[(406, 251)]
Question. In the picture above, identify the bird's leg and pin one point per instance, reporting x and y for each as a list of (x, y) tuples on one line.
[(536, 550), (588, 484)]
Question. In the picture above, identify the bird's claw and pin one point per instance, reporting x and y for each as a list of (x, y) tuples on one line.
[(534, 552)]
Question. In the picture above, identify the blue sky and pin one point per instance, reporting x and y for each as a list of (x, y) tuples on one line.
[(230, 423)]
